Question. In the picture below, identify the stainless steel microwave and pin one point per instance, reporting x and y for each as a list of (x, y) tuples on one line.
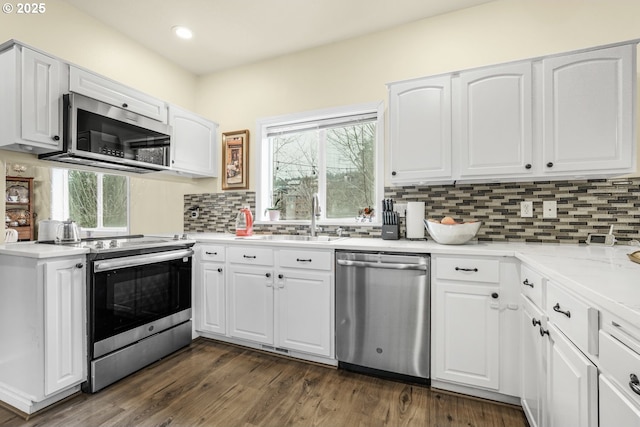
[(103, 135)]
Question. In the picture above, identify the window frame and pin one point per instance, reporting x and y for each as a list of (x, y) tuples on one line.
[(60, 177), (264, 166)]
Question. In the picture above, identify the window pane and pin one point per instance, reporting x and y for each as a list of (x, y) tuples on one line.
[(295, 173), (83, 198), (350, 170), (114, 201)]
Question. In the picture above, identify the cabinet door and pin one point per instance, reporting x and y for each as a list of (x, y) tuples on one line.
[(64, 300), (211, 312), (114, 93), (420, 122), (251, 303), (615, 409), (533, 363), (41, 92), (572, 384), (589, 106), (495, 119), (466, 333), (193, 143), (304, 311)]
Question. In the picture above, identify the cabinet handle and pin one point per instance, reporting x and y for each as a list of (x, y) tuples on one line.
[(550, 164), (543, 332), (56, 138), (467, 269), (527, 283), (556, 308), (79, 265), (535, 322), (219, 270), (211, 253), (303, 260), (634, 384), (125, 105), (249, 256), (527, 166)]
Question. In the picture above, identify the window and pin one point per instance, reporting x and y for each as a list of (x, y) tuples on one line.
[(336, 153), (95, 200)]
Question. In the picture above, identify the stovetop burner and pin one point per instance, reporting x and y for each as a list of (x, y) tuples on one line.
[(123, 243)]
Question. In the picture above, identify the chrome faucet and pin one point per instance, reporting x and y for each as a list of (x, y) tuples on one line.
[(315, 212)]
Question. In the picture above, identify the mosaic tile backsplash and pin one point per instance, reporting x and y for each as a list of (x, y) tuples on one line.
[(588, 206)]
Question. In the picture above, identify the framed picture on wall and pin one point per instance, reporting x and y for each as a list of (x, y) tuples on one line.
[(235, 160)]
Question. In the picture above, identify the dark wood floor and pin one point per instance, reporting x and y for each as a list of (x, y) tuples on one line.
[(214, 384)]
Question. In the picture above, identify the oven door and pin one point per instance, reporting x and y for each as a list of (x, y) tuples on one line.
[(133, 297)]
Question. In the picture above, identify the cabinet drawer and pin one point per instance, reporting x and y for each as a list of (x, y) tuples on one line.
[(468, 269), (531, 284), (577, 320), (247, 255), (211, 252), (312, 260), (619, 363)]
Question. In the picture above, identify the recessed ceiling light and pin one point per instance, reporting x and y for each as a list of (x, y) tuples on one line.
[(182, 32)]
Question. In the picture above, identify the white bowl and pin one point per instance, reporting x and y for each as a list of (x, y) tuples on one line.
[(452, 234)]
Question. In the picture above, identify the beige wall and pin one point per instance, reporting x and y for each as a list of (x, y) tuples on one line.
[(354, 71)]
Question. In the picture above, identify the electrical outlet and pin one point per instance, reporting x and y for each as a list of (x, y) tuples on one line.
[(526, 209), (549, 209), (401, 208)]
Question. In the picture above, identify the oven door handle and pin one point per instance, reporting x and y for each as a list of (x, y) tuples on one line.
[(136, 260)]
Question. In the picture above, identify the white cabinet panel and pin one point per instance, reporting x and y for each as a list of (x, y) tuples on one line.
[(304, 318), (211, 301), (193, 143), (495, 121), (114, 93), (589, 106), (467, 317), (533, 363), (251, 303), (616, 410), (64, 307), (420, 134)]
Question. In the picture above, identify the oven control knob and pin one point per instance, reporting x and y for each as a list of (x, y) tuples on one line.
[(176, 237), (184, 236), (99, 244), (113, 243)]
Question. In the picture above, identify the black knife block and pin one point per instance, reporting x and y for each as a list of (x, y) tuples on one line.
[(391, 232)]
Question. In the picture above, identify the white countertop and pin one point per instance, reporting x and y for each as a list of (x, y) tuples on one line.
[(603, 275)]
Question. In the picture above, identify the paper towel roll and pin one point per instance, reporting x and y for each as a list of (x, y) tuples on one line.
[(415, 216)]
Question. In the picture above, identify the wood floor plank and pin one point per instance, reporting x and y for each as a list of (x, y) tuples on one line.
[(215, 384)]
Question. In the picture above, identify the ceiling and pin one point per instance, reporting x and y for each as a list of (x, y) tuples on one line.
[(229, 33)]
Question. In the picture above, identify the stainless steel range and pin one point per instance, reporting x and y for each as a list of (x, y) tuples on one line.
[(138, 303)]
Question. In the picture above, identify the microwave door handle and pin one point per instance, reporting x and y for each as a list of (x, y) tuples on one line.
[(133, 261)]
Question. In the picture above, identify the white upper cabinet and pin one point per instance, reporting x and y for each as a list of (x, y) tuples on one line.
[(114, 93), (420, 130), (589, 111), (31, 89), (193, 143), (494, 121)]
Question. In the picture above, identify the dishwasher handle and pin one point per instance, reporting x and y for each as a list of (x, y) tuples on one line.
[(387, 265)]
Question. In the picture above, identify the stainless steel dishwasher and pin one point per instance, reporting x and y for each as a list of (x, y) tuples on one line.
[(383, 314)]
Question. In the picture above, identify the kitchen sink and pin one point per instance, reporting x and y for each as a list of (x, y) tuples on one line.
[(292, 238)]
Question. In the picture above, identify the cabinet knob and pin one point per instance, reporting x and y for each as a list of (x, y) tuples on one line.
[(550, 164), (56, 138), (280, 276), (267, 275), (543, 332), (527, 166), (634, 384), (79, 265), (220, 270), (125, 105), (495, 295), (535, 322), (394, 173)]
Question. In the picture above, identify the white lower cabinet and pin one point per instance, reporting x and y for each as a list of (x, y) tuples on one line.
[(43, 335), (534, 369), (475, 318), (572, 384), (275, 299), (616, 409)]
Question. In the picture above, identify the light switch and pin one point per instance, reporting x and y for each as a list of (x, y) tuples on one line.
[(549, 209)]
